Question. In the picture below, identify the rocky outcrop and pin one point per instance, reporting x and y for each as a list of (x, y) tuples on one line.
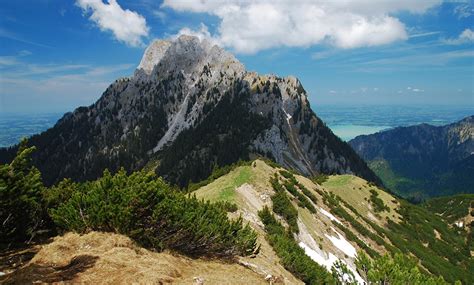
[(189, 106)]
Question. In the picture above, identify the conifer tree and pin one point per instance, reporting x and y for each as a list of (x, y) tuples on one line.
[(21, 212)]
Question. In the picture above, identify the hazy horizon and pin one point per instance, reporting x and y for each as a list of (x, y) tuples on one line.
[(56, 56)]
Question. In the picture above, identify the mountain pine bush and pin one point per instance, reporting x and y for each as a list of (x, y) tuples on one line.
[(151, 212), (291, 255), (397, 269), (21, 211), (283, 207)]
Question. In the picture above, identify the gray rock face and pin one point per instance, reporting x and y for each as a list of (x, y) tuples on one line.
[(186, 102)]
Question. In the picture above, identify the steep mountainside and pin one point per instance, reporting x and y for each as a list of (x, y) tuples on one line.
[(340, 217), (457, 210), (422, 160), (191, 106)]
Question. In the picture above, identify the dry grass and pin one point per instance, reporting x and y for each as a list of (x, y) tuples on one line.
[(107, 258), (356, 191), (250, 197)]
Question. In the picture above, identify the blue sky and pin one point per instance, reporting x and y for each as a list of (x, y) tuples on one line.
[(58, 55)]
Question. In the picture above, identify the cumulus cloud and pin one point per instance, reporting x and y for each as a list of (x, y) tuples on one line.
[(250, 26), (467, 36), (127, 26), (202, 33)]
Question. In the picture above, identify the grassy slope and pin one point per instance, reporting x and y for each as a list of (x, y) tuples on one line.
[(256, 177), (404, 227), (411, 229), (356, 192), (223, 189)]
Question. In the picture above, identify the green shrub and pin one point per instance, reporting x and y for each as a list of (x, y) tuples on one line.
[(283, 207), (451, 208), (399, 269), (21, 211), (319, 179), (286, 174), (308, 193), (291, 185), (291, 255), (302, 200), (152, 213), (228, 206), (378, 204)]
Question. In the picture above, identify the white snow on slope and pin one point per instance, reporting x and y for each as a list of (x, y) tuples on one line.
[(341, 243), (329, 215), (328, 262), (318, 258), (323, 258), (288, 116)]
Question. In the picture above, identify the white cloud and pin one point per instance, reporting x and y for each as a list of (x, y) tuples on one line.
[(202, 33), (464, 11), (322, 54), (467, 36), (12, 60), (27, 87), (250, 26), (127, 26), (426, 34), (160, 15), (413, 89)]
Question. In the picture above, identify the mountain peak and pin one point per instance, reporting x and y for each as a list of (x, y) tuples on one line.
[(191, 105), (187, 53), (153, 54)]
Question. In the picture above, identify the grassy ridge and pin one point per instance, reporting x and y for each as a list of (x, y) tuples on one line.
[(440, 249)]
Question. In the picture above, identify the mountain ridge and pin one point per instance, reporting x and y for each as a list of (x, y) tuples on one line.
[(188, 94), (433, 160)]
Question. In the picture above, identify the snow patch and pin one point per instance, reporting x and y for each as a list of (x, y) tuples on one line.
[(329, 261), (318, 258), (341, 243), (288, 116), (329, 215)]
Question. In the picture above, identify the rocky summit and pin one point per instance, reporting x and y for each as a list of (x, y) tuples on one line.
[(191, 106)]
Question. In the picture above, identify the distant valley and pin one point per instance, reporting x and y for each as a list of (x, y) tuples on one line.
[(423, 160), (346, 122)]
